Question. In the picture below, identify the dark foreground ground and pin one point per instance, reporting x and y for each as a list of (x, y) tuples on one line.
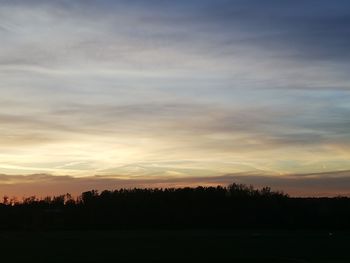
[(175, 246)]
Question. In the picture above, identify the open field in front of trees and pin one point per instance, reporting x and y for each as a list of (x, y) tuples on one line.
[(175, 246), (237, 223)]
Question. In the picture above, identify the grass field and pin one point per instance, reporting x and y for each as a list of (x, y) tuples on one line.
[(175, 246)]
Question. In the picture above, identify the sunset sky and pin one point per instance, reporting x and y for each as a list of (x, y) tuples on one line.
[(109, 94)]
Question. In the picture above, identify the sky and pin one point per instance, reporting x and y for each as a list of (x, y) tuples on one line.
[(108, 94)]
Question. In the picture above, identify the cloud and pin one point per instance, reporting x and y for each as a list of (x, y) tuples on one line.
[(230, 39), (109, 137), (224, 86)]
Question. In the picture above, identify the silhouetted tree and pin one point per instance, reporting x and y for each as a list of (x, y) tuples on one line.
[(235, 206)]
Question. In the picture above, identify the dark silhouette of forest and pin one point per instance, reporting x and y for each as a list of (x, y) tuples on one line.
[(235, 206)]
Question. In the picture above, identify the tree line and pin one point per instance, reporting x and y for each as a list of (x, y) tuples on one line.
[(235, 206)]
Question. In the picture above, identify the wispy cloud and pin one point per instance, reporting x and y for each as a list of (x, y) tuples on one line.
[(219, 86)]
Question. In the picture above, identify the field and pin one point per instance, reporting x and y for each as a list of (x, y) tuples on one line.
[(175, 246)]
